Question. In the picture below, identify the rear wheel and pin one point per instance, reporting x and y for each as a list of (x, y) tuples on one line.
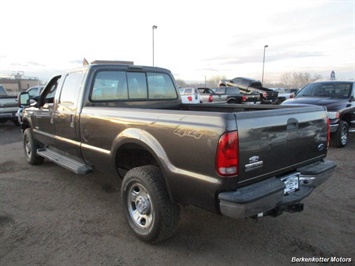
[(341, 135), (30, 148), (147, 206)]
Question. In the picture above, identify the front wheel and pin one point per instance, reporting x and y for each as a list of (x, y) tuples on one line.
[(341, 135), (147, 206), (30, 148)]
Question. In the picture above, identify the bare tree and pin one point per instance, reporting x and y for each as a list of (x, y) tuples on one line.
[(213, 81), (181, 83), (298, 80)]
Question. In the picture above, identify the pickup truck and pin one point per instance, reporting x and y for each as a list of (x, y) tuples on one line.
[(234, 95), (216, 95), (128, 121), (251, 86), (8, 107), (339, 99)]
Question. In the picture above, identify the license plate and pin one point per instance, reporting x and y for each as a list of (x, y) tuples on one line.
[(291, 183)]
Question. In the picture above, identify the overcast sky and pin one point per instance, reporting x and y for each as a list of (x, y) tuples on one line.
[(194, 39)]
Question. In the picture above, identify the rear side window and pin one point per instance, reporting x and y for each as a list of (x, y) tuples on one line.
[(122, 85)]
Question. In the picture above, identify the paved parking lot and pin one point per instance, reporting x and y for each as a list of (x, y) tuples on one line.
[(50, 216)]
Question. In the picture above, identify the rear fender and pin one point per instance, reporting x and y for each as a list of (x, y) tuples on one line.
[(148, 142)]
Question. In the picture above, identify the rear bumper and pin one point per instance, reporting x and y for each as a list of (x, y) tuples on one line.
[(268, 195)]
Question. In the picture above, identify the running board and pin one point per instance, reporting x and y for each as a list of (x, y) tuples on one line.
[(66, 162)]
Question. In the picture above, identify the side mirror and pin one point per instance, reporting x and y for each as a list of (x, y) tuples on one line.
[(24, 99)]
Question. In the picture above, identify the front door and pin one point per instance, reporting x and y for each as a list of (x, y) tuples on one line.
[(66, 115)]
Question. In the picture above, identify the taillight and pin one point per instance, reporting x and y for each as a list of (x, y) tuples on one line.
[(210, 98), (328, 132), (244, 98), (265, 95), (227, 154)]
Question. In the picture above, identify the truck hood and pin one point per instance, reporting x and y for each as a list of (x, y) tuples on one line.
[(328, 102)]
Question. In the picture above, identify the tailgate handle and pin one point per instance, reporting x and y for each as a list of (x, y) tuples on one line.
[(292, 124)]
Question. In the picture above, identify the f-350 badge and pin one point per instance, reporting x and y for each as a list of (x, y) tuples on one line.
[(254, 163)]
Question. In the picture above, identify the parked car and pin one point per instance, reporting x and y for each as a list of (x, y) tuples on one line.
[(189, 95), (8, 107), (339, 99), (250, 86)]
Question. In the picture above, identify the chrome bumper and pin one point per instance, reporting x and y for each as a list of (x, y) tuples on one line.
[(267, 195)]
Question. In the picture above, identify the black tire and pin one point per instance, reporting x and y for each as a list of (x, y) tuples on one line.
[(147, 206), (30, 147), (340, 137)]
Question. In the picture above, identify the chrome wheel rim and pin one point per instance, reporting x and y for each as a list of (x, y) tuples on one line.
[(28, 147), (344, 136), (140, 207)]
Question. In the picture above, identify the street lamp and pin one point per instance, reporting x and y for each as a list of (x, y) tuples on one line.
[(153, 28), (262, 77)]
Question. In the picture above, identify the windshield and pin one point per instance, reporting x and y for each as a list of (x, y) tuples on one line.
[(332, 90)]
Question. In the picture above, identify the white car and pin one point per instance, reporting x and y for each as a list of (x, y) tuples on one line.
[(189, 95)]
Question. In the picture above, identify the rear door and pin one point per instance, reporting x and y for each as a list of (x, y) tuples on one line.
[(42, 117)]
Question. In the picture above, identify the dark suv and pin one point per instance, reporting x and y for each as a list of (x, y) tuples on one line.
[(339, 99)]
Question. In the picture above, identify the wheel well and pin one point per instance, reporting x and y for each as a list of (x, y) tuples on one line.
[(347, 118), (132, 155), (25, 125)]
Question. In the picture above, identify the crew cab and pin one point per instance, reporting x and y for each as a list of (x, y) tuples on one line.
[(339, 99), (128, 121)]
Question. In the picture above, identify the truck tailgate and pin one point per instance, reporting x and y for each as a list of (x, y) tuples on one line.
[(275, 142)]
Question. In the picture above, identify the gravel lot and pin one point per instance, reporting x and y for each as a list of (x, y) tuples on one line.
[(50, 216)]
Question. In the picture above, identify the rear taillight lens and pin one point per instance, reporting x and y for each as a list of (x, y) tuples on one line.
[(210, 98), (227, 154), (244, 98)]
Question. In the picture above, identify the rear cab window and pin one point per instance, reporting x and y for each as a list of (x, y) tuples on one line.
[(116, 85)]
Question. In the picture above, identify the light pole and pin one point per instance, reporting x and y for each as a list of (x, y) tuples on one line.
[(153, 28), (262, 77)]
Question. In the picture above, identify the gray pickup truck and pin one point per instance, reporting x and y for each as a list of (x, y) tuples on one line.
[(128, 121), (8, 107)]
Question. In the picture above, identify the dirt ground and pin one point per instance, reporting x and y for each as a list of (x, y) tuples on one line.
[(50, 216)]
